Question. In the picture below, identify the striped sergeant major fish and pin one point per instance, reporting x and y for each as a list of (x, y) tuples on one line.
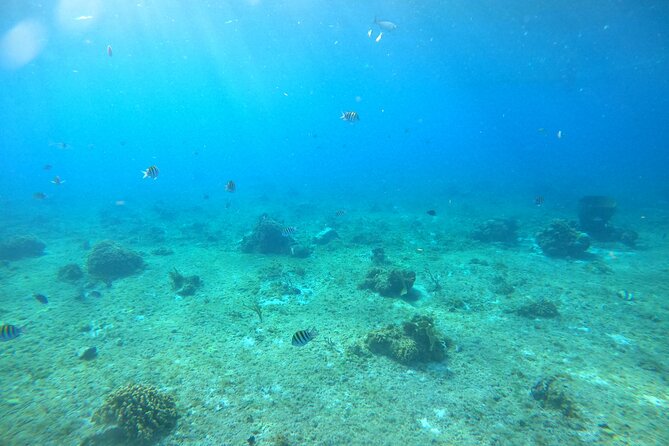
[(350, 116), (9, 332), (302, 337), (288, 231), (151, 172)]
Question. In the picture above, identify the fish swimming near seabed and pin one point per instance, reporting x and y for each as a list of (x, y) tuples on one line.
[(110, 52), (288, 231), (9, 332), (41, 298), (303, 337)]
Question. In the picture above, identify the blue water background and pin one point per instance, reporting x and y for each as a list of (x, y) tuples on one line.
[(463, 99)]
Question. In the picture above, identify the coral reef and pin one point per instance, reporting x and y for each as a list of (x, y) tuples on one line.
[(71, 273), (267, 238), (561, 239), (416, 341), (19, 247), (389, 283), (109, 261), (497, 230), (184, 285), (142, 412), (540, 308), (553, 393)]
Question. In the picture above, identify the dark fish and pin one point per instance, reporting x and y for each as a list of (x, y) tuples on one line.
[(432, 212), (151, 172), (230, 186), (47, 167), (39, 195), (302, 337), (350, 116), (538, 200), (41, 298), (109, 51), (288, 231), (94, 293), (9, 332), (340, 213)]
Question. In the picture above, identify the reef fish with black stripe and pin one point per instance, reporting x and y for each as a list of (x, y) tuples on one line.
[(303, 337), (9, 332)]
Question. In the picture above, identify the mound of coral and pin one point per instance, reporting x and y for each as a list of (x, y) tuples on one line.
[(414, 342), (562, 239), (267, 238), (15, 248), (143, 413), (109, 261), (389, 283), (497, 230)]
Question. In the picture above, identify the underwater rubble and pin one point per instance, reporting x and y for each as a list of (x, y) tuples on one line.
[(184, 285)]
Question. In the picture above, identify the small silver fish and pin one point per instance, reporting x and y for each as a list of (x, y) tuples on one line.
[(385, 25)]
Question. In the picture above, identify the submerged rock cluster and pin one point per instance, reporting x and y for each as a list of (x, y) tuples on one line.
[(142, 412)]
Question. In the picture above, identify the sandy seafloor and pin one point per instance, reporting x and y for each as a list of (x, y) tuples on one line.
[(234, 376)]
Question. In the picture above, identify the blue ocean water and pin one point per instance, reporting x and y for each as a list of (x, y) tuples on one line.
[(472, 108)]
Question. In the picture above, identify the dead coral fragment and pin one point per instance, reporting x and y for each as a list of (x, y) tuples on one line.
[(553, 393), (184, 285), (109, 261), (416, 341), (393, 283), (142, 412), (16, 248)]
